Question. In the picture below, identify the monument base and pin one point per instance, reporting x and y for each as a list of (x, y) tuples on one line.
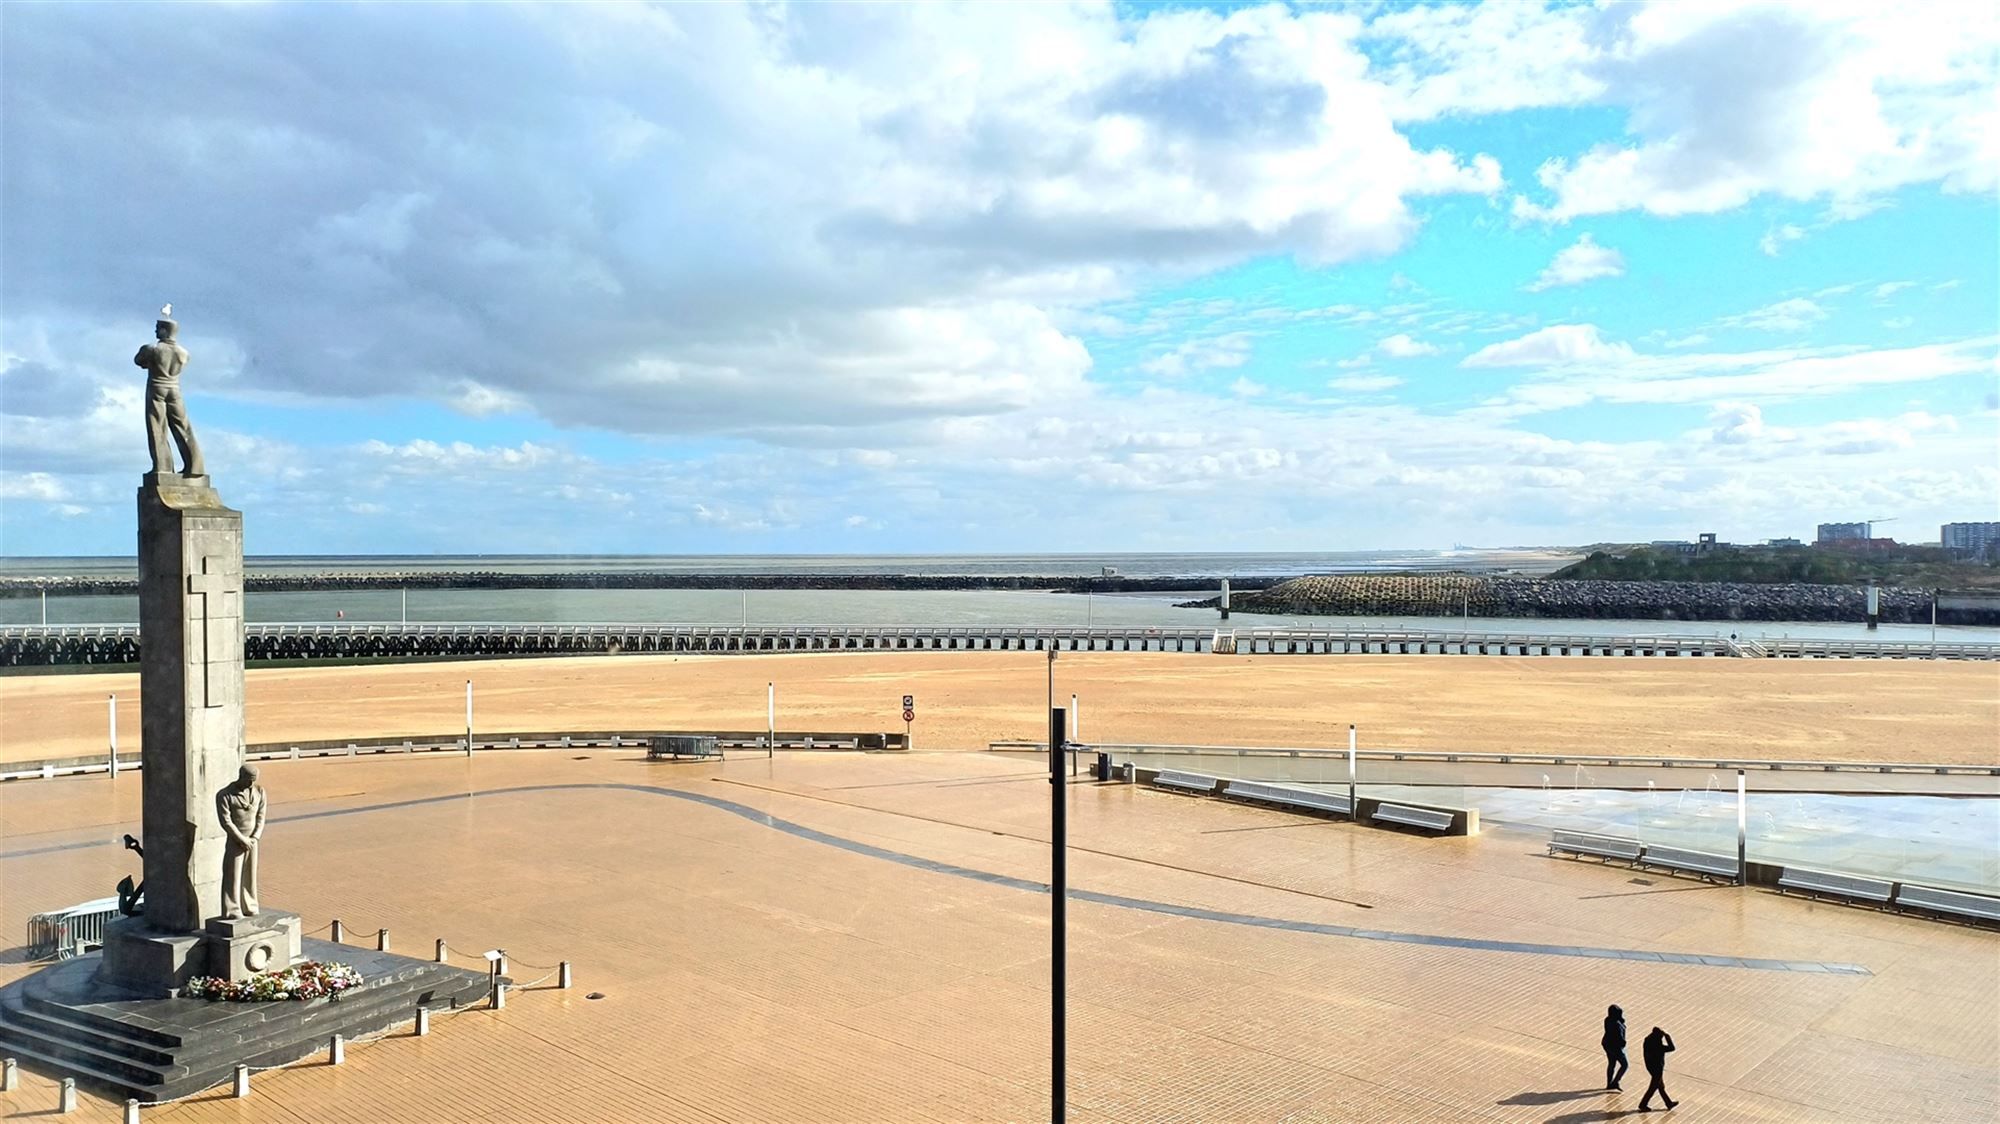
[(241, 947), (71, 1020), (143, 960)]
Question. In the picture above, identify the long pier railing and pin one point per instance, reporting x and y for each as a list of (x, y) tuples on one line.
[(44, 645)]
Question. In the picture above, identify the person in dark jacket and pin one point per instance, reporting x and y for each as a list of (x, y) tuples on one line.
[(1655, 1050), (1615, 1063)]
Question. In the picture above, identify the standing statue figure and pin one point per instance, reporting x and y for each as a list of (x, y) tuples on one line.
[(165, 411), (241, 806)]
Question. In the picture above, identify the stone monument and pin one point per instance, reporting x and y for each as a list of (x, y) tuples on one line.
[(121, 1023), (191, 714)]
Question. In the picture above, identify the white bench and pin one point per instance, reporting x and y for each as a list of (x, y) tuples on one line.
[(1186, 782), (1606, 847), (1690, 862), (1307, 799), (1413, 817), (1815, 883), (1957, 902)]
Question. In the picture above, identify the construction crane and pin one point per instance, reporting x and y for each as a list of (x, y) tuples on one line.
[(1870, 524)]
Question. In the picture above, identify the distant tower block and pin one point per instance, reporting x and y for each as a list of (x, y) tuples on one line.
[(1225, 599)]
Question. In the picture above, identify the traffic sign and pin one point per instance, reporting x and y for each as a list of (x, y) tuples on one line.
[(909, 702), (909, 716)]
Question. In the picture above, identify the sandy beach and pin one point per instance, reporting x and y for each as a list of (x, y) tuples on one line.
[(1851, 710)]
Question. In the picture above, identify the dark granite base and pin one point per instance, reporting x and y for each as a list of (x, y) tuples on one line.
[(68, 1021)]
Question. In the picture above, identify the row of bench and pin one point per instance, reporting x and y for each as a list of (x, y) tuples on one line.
[(1309, 800), (1813, 883)]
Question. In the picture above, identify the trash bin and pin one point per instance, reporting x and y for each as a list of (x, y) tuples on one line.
[(1103, 770)]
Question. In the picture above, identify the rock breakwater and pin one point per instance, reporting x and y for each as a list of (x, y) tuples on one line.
[(1400, 595)]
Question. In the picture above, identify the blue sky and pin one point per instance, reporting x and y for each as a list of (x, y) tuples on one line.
[(1001, 278)]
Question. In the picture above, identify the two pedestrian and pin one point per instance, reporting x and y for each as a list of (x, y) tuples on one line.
[(1653, 1051)]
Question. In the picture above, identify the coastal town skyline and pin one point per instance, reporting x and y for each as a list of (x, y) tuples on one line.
[(898, 280)]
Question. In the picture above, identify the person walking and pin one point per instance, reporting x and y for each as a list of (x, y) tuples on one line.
[(1615, 1062), (1654, 1050)]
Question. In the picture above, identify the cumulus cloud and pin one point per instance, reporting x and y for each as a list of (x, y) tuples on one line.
[(1575, 264), (1557, 345), (1726, 103), (1774, 239), (1401, 346), (1364, 384)]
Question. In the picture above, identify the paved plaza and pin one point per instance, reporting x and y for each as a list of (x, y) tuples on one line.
[(840, 937)]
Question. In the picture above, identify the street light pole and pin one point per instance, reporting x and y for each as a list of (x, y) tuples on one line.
[(1058, 900)]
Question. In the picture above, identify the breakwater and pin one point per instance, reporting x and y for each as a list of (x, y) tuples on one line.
[(1479, 596), (117, 586)]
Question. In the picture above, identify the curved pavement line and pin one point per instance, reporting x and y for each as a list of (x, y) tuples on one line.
[(1093, 896)]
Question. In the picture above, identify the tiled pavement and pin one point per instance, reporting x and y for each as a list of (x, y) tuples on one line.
[(752, 973)]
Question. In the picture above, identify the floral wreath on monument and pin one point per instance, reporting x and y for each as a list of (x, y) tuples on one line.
[(303, 981)]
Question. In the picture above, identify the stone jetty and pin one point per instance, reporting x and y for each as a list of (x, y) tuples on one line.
[(1418, 595)]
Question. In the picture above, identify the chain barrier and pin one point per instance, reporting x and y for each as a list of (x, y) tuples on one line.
[(531, 983)]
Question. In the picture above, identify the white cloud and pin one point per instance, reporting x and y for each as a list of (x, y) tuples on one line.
[(1890, 288), (1246, 388), (1898, 323), (1364, 384), (1726, 103), (1231, 350), (1796, 314), (1401, 346), (1775, 238), (1557, 345), (32, 486), (1575, 264)]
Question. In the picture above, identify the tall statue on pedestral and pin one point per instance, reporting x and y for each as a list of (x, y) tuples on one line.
[(165, 412), (241, 806)]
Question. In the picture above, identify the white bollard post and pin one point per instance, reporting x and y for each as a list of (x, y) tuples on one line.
[(1075, 719), (131, 1110), (242, 1080), (111, 707), (1353, 809), (499, 995), (562, 975), (382, 940), (66, 1096), (339, 934), (10, 1075), (770, 716), (336, 1050), (423, 1020), (468, 718), (440, 950), (1742, 832)]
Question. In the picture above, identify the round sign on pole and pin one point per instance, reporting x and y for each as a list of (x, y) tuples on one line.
[(909, 716)]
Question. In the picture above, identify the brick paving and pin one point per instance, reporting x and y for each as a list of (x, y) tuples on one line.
[(752, 974)]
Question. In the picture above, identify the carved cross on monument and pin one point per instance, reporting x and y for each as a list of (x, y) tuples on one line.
[(220, 587)]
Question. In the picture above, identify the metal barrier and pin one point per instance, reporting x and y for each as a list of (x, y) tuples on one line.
[(65, 933)]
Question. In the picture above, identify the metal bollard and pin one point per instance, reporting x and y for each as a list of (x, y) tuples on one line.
[(66, 1096), (382, 940), (131, 1110), (339, 934), (242, 1080), (499, 995), (440, 954), (562, 975), (10, 1075), (423, 1020), (336, 1050)]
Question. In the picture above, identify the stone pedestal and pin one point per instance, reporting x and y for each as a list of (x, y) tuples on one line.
[(190, 691), (241, 947)]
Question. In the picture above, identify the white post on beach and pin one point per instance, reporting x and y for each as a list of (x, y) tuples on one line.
[(468, 718), (1742, 832), (406, 605), (45, 608), (1075, 719), (771, 717), (1353, 811), (111, 711)]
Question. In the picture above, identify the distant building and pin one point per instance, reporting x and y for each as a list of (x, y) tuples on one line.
[(1969, 538), (1843, 532), (1672, 546), (1783, 542), (1705, 542)]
